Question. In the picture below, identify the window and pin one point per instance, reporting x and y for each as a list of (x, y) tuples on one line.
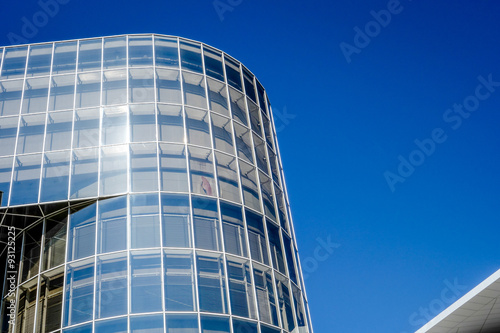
[(118, 325), (8, 135), (113, 170), (88, 90), (176, 220), (168, 85), (111, 288), (14, 62), (64, 58), (217, 95), (285, 304), (249, 185), (197, 124), (140, 50), (184, 323), (84, 173), (179, 281), (238, 107), (243, 142), (275, 247), (55, 176), (86, 128), (149, 324), (31, 253), (213, 63), (173, 169), (144, 167), (115, 52), (114, 87), (141, 85), (233, 73), (36, 93), (142, 123), (166, 52), (240, 288), (206, 224), (79, 292), (10, 97), (235, 241), (50, 301), (211, 283), (146, 281), (266, 300), (55, 241), (227, 177), (89, 57), (257, 237), (214, 324), (39, 60), (82, 229), (62, 92), (170, 123), (191, 56), (31, 130), (194, 90), (58, 135), (145, 221), (26, 179), (223, 134), (202, 172), (112, 225)]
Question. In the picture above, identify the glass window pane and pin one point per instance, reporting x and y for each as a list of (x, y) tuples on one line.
[(62, 92), (113, 325), (84, 173), (254, 117), (145, 221), (194, 90), (168, 85), (36, 93), (227, 177), (217, 95), (31, 131), (184, 323), (146, 324), (146, 282), (299, 308), (262, 99), (249, 186), (260, 153), (266, 187), (55, 176), (111, 289), (5, 176), (141, 85), (249, 87), (179, 281), (285, 304), (267, 130), (58, 134), (50, 301), (26, 179), (238, 107), (114, 87), (240, 288), (214, 324), (275, 247), (115, 52), (88, 90), (142, 123), (240, 326), (113, 170), (39, 60), (213, 63), (87, 328), (176, 221), (292, 270), (26, 309), (79, 290), (206, 224), (10, 97), (89, 57), (140, 51), (233, 73), (280, 200), (223, 134), (112, 227), (8, 135), (191, 56), (64, 58), (31, 253), (81, 238), (166, 52), (144, 167), (266, 300), (86, 128), (201, 170), (265, 329), (235, 240), (198, 127), (211, 283), (114, 125), (257, 237), (173, 169), (170, 123), (14, 62), (55, 241)]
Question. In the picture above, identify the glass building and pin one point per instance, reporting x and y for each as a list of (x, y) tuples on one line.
[(142, 191)]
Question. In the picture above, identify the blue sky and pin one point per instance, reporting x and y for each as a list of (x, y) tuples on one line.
[(407, 241)]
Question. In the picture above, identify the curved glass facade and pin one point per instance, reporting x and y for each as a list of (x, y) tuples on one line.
[(142, 191)]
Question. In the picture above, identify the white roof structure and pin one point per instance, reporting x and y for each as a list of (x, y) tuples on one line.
[(478, 311)]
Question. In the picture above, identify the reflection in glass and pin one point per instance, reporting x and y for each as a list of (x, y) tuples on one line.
[(194, 90), (88, 90), (62, 92), (55, 241), (58, 134), (8, 135), (31, 253), (143, 167), (89, 56), (114, 125), (238, 107), (113, 170), (114, 87), (30, 138), (55, 176), (179, 281), (213, 63), (14, 62), (240, 326), (5, 175), (111, 288), (184, 323), (26, 179), (227, 177), (149, 324), (118, 325), (145, 221), (222, 133), (79, 292), (36, 93), (166, 52), (243, 142), (176, 221), (249, 186), (86, 128), (197, 127), (84, 173), (214, 324), (10, 97), (140, 51), (142, 123), (168, 85), (39, 60), (115, 52), (64, 58), (233, 73), (26, 309), (141, 85), (211, 283), (170, 123), (81, 237), (146, 282), (50, 301), (112, 225), (249, 87), (201, 170), (191, 56), (173, 169), (218, 97)]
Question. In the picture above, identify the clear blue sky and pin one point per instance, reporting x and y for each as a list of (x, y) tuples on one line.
[(343, 127)]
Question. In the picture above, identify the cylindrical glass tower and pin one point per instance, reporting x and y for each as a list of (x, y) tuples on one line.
[(142, 191)]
